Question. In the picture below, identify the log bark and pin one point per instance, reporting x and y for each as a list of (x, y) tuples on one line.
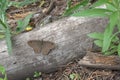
[(69, 36), (100, 61)]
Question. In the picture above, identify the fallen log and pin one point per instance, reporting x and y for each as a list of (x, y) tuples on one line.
[(47, 48), (100, 61)]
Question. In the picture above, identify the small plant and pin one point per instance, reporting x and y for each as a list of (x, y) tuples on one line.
[(27, 79), (74, 76), (82, 5), (4, 27), (108, 41), (3, 72), (37, 74), (5, 30), (23, 23)]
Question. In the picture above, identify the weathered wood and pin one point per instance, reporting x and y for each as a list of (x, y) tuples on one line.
[(69, 36), (96, 60)]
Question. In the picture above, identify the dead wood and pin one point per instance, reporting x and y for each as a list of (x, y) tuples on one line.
[(97, 60), (69, 40)]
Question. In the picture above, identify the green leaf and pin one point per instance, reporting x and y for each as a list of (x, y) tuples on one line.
[(115, 39), (99, 3), (111, 7), (2, 28), (110, 52), (69, 11), (68, 4), (2, 36), (118, 49), (98, 12), (113, 46), (2, 70), (4, 4), (107, 39), (2, 25), (114, 36), (113, 20), (112, 49), (99, 43), (27, 79), (37, 74), (1, 79), (96, 35), (72, 76), (108, 32), (5, 78), (22, 24), (8, 40), (116, 3)]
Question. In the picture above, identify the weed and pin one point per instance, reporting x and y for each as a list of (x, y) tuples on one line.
[(5, 31), (37, 74), (74, 76), (3, 72), (108, 41)]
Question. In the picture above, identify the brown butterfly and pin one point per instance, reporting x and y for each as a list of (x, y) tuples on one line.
[(43, 47)]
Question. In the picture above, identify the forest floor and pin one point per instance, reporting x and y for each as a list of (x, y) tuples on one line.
[(49, 11)]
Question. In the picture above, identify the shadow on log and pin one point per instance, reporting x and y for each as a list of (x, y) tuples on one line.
[(49, 47)]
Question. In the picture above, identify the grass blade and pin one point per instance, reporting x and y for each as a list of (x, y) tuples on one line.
[(111, 7), (2, 25), (96, 35), (113, 19), (98, 12), (118, 49), (8, 41), (99, 43)]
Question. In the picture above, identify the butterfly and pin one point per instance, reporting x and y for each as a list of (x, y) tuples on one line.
[(43, 47)]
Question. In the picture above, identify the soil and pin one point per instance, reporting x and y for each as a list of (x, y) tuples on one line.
[(50, 11), (84, 73)]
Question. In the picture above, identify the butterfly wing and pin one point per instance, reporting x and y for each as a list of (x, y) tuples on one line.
[(47, 47), (36, 45)]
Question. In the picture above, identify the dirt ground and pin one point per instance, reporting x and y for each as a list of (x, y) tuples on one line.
[(81, 73), (51, 11)]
